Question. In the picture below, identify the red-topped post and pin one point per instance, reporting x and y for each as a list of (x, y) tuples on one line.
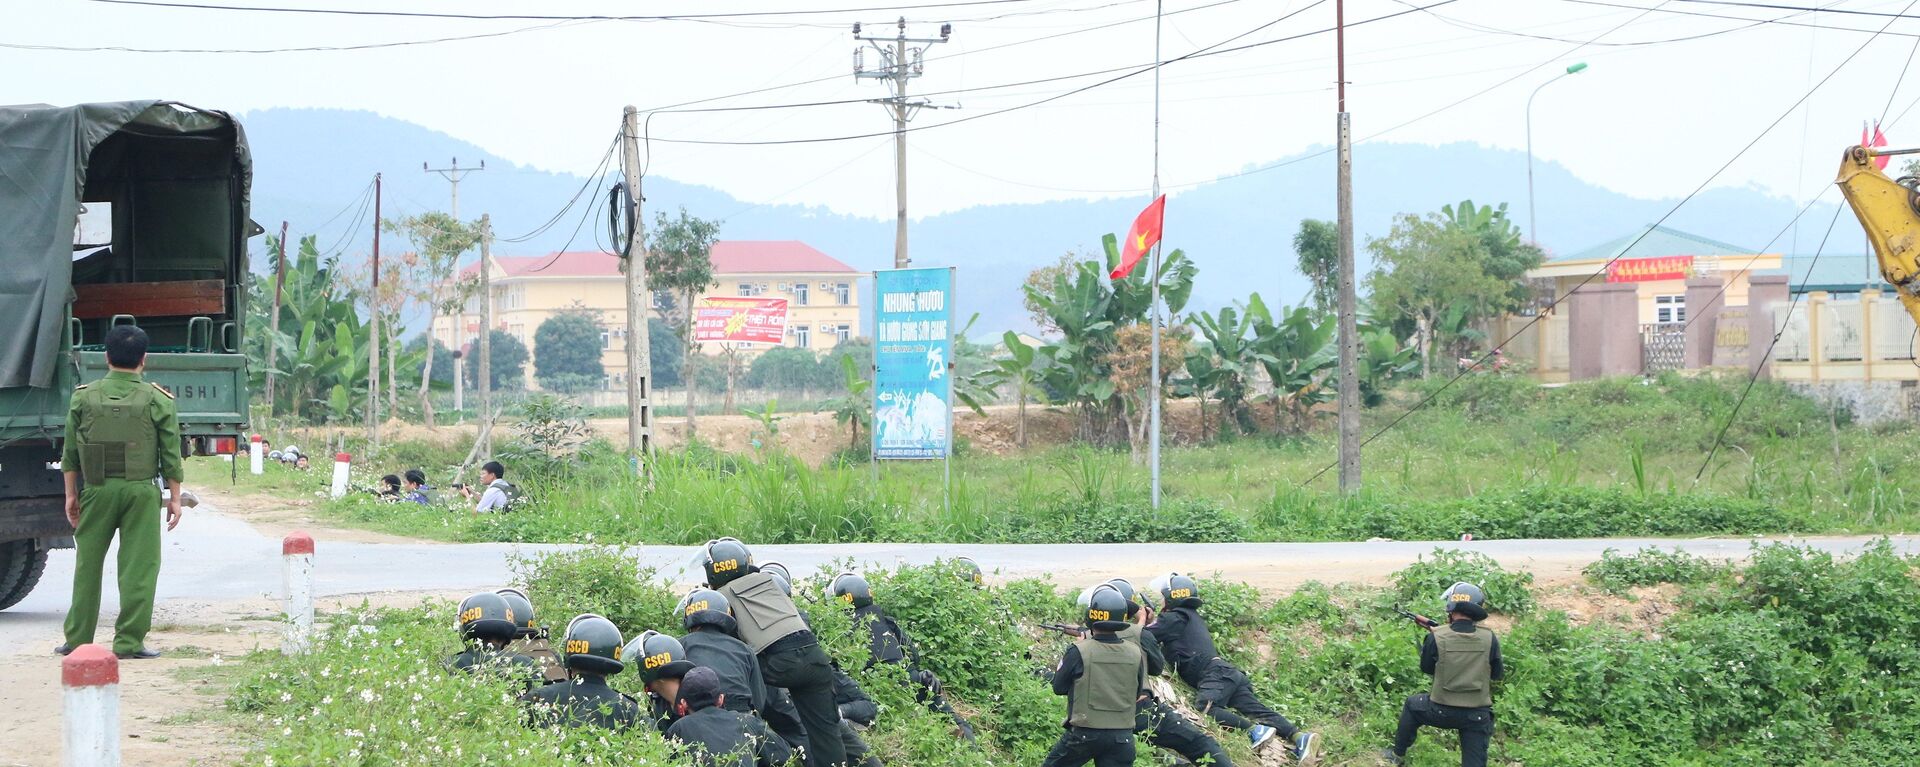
[(91, 678), (296, 554), (341, 461)]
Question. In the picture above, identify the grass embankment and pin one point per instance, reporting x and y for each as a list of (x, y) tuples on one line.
[(1795, 659), (1494, 456)]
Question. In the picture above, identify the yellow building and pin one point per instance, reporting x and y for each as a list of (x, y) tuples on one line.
[(1658, 261), (822, 296)]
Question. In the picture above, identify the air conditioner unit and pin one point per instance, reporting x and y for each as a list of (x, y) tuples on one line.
[(826, 286), (785, 288)]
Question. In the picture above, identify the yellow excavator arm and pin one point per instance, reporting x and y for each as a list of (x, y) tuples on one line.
[(1890, 212)]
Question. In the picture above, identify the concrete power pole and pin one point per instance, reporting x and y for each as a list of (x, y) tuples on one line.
[(484, 380), (373, 338), (639, 347), (1349, 333), (453, 173), (898, 64)]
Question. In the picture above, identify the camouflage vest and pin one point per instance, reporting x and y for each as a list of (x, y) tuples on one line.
[(1109, 685), (116, 434), (1464, 675)]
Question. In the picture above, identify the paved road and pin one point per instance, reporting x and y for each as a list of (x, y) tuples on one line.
[(214, 557)]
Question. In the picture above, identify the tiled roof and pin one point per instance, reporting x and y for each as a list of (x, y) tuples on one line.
[(1835, 272), (1657, 242), (729, 257)]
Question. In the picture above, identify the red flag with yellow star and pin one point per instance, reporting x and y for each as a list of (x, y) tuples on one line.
[(1143, 235)]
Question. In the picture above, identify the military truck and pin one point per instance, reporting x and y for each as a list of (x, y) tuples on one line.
[(127, 212)]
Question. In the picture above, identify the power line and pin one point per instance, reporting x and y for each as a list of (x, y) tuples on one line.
[(301, 49), (1623, 251), (1779, 21), (1633, 43), (605, 157), (1840, 11), (540, 17)]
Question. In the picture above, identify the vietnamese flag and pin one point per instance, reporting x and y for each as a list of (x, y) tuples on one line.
[(1879, 140), (1144, 234)]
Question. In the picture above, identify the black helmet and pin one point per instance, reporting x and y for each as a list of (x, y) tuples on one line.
[(522, 608), (775, 568), (593, 645), (970, 570), (660, 656), (1465, 598), (1177, 590), (486, 616), (786, 586), (705, 607), (852, 589), (1126, 589), (1106, 609), (724, 560)]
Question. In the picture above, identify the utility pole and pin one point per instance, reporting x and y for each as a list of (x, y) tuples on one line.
[(1349, 333), (898, 64), (639, 347), (484, 380), (373, 338), (1153, 278), (273, 324), (453, 173)]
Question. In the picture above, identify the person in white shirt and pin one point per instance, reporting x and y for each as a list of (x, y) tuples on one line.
[(494, 495)]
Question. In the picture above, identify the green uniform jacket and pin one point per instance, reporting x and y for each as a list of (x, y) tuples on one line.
[(142, 442)]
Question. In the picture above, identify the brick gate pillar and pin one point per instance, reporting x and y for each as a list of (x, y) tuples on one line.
[(1764, 292), (1704, 299), (1603, 331)]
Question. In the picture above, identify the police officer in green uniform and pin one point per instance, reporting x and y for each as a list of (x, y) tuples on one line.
[(121, 433), (1104, 677), (592, 652), (1464, 660)]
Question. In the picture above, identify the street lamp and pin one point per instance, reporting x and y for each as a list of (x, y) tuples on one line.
[(1533, 232)]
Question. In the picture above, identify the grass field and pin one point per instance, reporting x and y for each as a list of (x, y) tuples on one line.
[(1493, 456), (1795, 659)]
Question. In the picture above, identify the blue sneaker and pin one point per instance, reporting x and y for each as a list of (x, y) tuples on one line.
[(1305, 747), (1261, 735)]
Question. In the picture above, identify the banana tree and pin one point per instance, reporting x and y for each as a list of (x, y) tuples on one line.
[(1227, 363), (1382, 359), (1022, 369), (1299, 353), (854, 407)]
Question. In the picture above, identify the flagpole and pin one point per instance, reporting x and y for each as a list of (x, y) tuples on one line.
[(1153, 275)]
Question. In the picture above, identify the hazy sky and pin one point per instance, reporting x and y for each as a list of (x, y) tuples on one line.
[(1650, 119)]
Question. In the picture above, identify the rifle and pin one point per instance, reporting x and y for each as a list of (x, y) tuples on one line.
[(1073, 631), (1419, 620)]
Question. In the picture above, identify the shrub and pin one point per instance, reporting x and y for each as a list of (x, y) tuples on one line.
[(1650, 566), (600, 580), (1421, 583)]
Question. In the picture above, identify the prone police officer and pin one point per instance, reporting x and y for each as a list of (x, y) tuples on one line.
[(121, 433)]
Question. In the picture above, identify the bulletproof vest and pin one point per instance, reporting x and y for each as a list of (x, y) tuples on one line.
[(116, 434), (1196, 645), (1109, 684), (551, 669), (1463, 677), (765, 613)]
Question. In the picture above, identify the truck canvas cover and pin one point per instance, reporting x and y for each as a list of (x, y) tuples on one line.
[(45, 153)]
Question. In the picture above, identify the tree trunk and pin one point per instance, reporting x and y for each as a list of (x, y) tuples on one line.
[(426, 381), (1020, 422), (686, 359), (726, 404), (1423, 340)]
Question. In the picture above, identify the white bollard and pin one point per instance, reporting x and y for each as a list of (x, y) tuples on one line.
[(340, 464), (259, 455), (296, 553), (91, 676)]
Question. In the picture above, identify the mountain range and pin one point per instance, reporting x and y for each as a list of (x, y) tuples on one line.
[(312, 165)]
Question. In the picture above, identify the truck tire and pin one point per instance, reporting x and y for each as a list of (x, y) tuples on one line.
[(21, 563)]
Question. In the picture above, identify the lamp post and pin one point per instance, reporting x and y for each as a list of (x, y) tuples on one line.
[(1533, 232)]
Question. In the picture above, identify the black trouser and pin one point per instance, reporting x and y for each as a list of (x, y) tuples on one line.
[(1475, 726), (1165, 728), (807, 674), (1080, 745), (1224, 690), (857, 751)]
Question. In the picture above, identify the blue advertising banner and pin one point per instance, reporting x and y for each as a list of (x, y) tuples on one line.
[(912, 347)]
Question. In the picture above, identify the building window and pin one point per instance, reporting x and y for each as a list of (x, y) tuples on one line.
[(800, 293), (844, 292), (1669, 310), (744, 289), (606, 340), (803, 336), (843, 333)]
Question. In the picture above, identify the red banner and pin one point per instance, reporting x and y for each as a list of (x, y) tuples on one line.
[(1650, 269), (733, 318)]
